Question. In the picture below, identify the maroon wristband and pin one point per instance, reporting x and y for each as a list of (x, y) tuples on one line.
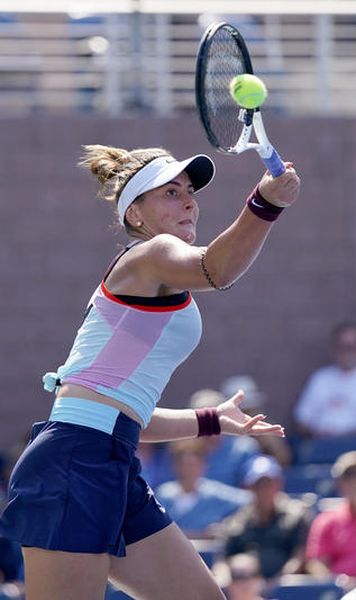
[(208, 421), (261, 208)]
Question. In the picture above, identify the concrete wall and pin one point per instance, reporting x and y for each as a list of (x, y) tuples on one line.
[(56, 239)]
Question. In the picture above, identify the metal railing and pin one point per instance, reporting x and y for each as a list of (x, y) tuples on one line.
[(116, 62)]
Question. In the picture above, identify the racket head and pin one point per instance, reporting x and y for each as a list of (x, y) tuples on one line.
[(222, 55)]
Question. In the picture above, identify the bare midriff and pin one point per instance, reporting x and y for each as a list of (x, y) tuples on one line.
[(71, 390)]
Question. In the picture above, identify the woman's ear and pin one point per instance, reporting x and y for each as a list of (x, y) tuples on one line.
[(133, 216)]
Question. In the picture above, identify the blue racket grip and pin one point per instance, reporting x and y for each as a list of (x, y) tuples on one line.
[(274, 164)]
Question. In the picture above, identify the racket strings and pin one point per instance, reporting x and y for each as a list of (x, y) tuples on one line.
[(223, 61)]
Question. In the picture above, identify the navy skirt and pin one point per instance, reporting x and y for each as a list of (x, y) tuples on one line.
[(78, 489)]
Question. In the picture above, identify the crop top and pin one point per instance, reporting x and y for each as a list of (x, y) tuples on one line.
[(128, 347)]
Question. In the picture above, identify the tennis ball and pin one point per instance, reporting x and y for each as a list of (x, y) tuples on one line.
[(248, 90)]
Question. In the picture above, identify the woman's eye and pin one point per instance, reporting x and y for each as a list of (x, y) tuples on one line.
[(172, 192)]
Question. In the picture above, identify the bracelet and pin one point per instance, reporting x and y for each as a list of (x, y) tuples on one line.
[(209, 278), (208, 421), (262, 208)]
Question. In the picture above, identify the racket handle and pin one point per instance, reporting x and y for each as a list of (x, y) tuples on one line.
[(274, 164)]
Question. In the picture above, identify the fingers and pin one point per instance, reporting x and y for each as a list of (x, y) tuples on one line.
[(289, 178), (239, 396), (235, 422), (276, 430), (289, 166), (252, 422), (236, 399), (264, 429), (253, 426)]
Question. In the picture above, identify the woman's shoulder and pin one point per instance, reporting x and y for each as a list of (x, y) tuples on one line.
[(159, 245)]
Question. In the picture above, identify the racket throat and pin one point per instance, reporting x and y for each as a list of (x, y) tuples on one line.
[(243, 143), (264, 151), (264, 148), (252, 122)]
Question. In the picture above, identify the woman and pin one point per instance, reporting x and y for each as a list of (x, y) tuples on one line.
[(77, 502)]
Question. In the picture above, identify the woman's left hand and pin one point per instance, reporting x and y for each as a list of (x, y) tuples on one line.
[(234, 422)]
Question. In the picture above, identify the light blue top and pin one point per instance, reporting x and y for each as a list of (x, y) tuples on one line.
[(127, 348)]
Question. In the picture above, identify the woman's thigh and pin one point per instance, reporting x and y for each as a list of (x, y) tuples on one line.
[(54, 575), (164, 565)]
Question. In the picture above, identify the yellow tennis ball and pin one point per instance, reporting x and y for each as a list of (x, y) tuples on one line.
[(248, 90)]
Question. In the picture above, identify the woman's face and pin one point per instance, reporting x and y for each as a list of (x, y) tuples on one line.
[(347, 484), (170, 208)]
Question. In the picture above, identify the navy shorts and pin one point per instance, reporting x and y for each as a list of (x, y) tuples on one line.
[(78, 489)]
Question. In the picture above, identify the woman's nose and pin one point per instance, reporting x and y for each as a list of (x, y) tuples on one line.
[(189, 202)]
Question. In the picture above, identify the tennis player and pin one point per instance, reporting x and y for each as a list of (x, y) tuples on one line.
[(77, 503)]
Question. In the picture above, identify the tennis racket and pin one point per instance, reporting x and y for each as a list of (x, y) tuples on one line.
[(222, 55)]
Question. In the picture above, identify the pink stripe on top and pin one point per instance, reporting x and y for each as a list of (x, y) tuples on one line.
[(129, 352), (123, 353)]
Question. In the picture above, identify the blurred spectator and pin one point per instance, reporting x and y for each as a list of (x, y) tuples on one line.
[(194, 501), (245, 581), (331, 541), (227, 456), (273, 525), (10, 560), (155, 463), (327, 405), (252, 405), (11, 569)]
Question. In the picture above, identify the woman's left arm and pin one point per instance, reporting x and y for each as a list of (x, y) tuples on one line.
[(175, 424)]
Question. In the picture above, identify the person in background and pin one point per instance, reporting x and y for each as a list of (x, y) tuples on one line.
[(245, 581), (11, 569), (226, 456), (330, 546), (253, 402), (192, 500), (155, 462), (273, 525), (330, 392), (11, 561)]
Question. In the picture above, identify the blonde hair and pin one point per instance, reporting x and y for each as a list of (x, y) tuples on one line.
[(114, 167)]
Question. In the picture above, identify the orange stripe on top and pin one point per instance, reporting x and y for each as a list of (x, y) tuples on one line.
[(143, 307)]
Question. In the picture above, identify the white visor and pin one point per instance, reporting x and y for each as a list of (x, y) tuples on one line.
[(161, 170)]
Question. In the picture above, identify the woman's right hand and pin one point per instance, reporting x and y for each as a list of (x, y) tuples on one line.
[(283, 190)]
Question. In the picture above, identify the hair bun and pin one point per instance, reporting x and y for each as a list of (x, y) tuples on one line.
[(114, 167)]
